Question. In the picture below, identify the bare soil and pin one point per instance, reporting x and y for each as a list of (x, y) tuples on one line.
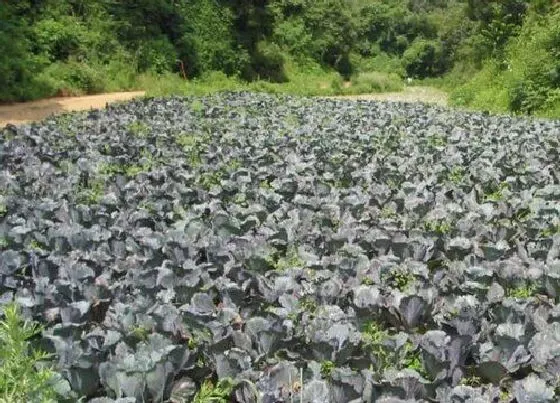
[(25, 112)]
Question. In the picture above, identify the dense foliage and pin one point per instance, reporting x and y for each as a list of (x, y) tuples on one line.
[(68, 46), (242, 245)]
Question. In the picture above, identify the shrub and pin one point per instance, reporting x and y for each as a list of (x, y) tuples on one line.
[(424, 58), (21, 379), (267, 63), (374, 81), (156, 55)]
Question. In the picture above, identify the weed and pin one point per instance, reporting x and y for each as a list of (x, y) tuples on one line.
[(472, 380), (308, 304), (187, 140), (240, 199), (327, 368), (440, 227), (437, 141), (337, 159), (192, 146), (388, 213), (4, 243), (65, 123), (140, 332), (456, 175), (133, 170), (374, 339), (20, 378), (548, 232), (291, 260), (412, 359), (214, 393), (497, 193), (146, 205), (367, 281), (91, 194), (505, 396), (139, 129), (392, 184), (400, 278), (524, 213), (522, 292), (437, 264), (233, 164), (36, 245), (3, 210), (110, 169), (197, 107), (265, 185), (192, 344), (209, 179), (129, 170)]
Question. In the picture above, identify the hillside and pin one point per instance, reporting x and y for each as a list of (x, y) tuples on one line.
[(497, 55)]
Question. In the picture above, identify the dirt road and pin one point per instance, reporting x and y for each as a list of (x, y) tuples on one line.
[(25, 112)]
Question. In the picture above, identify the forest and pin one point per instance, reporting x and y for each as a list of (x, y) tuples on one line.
[(494, 55)]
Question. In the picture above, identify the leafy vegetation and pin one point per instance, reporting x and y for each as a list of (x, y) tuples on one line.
[(22, 378), (378, 342), (440, 227), (327, 368), (289, 261), (400, 278), (523, 292), (214, 393), (496, 55)]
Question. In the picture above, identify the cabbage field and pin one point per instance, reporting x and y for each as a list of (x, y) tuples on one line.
[(246, 247)]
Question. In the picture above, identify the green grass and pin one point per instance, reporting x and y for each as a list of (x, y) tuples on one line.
[(21, 377), (308, 80), (373, 82)]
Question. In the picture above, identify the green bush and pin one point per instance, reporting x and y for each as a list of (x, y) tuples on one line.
[(424, 58), (267, 63), (21, 377), (59, 39), (526, 79), (207, 42), (157, 55), (370, 82), (73, 78)]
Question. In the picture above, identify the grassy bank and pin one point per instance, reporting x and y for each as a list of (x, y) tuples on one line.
[(312, 81)]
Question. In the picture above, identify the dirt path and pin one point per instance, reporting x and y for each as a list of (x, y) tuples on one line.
[(409, 94), (25, 112)]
